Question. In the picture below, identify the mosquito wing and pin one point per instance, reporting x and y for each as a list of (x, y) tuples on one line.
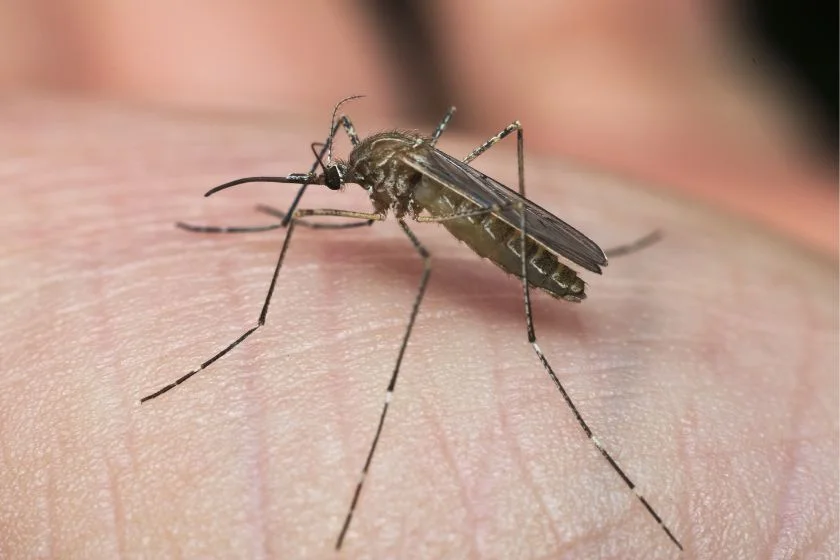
[(546, 228)]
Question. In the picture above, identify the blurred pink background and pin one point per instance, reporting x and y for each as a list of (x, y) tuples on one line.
[(673, 93)]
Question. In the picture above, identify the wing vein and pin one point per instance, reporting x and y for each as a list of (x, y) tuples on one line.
[(542, 226)]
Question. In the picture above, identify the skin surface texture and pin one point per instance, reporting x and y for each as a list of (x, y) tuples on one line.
[(706, 364)]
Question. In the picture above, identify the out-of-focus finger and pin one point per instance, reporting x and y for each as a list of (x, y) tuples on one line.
[(195, 54), (671, 97)]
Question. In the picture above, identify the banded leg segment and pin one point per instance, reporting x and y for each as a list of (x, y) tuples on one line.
[(314, 225), (634, 246), (442, 126), (619, 251), (520, 150), (489, 143), (532, 338), (260, 322), (227, 229), (277, 214), (588, 431), (469, 214), (264, 311), (389, 392)]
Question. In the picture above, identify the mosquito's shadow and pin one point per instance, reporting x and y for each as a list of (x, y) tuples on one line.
[(460, 282)]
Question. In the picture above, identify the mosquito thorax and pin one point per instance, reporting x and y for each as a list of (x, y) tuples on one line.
[(378, 149), (376, 164)]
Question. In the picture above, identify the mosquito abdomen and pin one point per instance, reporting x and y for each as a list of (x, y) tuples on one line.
[(501, 243)]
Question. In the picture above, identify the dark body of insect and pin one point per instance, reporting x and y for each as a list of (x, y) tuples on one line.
[(395, 168), (405, 175)]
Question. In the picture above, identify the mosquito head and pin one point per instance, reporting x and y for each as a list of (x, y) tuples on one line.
[(334, 173)]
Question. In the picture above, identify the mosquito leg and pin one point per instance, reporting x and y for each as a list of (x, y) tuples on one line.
[(532, 338), (637, 245), (271, 212), (442, 126), (338, 214), (520, 156), (619, 251), (457, 215), (314, 225), (246, 334), (268, 295), (277, 214), (389, 392), (227, 229), (520, 150)]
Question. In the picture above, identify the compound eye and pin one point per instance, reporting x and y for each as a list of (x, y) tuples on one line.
[(332, 177)]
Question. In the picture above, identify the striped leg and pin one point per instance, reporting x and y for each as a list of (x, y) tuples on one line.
[(532, 338), (264, 312), (520, 150), (442, 126), (389, 392)]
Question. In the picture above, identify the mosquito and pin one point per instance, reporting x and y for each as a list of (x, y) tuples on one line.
[(405, 175)]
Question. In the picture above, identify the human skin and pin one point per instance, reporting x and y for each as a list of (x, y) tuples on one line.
[(706, 364)]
